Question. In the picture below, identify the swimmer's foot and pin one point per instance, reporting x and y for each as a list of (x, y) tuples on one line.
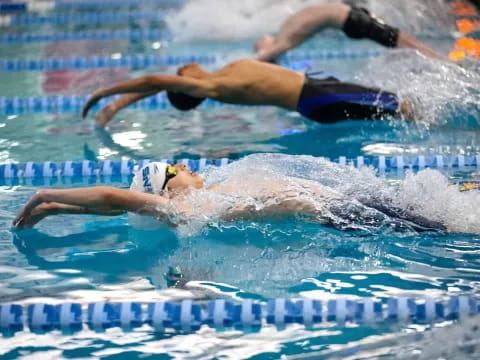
[(406, 109), (192, 70)]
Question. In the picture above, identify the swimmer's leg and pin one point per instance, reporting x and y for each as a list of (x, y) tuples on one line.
[(417, 222), (329, 101), (408, 41), (360, 24)]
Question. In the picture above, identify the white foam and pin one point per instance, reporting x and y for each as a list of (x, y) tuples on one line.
[(232, 19)]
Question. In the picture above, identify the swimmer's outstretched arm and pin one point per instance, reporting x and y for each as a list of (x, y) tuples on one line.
[(99, 200), (108, 112), (151, 84)]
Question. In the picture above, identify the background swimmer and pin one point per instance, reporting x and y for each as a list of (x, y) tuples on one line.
[(175, 195), (250, 82), (356, 23)]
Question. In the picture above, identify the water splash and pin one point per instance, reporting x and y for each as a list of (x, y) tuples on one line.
[(459, 341), (348, 199), (229, 19), (440, 92), (426, 17)]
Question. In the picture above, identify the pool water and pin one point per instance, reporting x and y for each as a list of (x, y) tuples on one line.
[(93, 258)]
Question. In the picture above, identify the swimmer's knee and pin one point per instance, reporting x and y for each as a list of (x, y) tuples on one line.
[(360, 24)]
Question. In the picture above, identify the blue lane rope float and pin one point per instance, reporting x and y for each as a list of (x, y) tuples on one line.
[(44, 6), (112, 17), (143, 61), (103, 62), (306, 55), (190, 316), (87, 168), (113, 168), (74, 103), (97, 35)]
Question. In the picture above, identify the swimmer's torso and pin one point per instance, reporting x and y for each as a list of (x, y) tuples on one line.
[(251, 82), (260, 195), (255, 196)]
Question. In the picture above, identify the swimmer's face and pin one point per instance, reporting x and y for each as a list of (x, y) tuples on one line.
[(185, 178)]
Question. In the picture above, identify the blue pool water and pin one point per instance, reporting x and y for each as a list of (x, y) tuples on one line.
[(93, 258)]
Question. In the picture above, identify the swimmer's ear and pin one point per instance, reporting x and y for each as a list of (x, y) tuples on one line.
[(183, 101)]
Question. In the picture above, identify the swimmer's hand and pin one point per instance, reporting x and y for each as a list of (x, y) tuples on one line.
[(27, 215), (105, 115), (29, 219), (92, 101)]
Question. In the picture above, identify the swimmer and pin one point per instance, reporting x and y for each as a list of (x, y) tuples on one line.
[(251, 82), (173, 194), (356, 23)]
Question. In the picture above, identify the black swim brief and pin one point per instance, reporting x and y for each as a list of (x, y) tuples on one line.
[(330, 100)]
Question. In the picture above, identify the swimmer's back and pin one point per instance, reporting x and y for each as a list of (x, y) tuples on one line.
[(251, 82)]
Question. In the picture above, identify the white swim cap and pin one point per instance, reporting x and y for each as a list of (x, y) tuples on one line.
[(150, 178)]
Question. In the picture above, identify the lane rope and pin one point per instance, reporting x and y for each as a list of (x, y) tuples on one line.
[(97, 35), (83, 18), (44, 6), (145, 60), (189, 316), (116, 168)]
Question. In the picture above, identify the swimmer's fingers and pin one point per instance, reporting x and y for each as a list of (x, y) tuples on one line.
[(36, 215), (24, 214), (92, 101)]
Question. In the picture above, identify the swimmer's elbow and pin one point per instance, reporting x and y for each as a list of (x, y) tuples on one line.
[(108, 196), (115, 199)]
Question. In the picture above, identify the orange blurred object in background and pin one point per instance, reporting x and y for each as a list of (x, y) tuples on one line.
[(465, 46)]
